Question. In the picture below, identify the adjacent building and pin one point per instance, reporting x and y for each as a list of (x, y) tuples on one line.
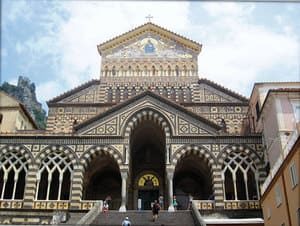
[(275, 112), (13, 115)]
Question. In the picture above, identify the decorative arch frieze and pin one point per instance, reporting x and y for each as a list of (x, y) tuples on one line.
[(56, 148), (197, 150), (96, 150), (143, 114), (237, 147)]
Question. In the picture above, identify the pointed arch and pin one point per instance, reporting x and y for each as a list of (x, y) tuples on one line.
[(240, 172), (56, 165), (146, 114), (14, 166), (198, 150), (194, 173), (97, 150)]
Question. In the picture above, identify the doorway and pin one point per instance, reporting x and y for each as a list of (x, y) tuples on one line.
[(147, 198)]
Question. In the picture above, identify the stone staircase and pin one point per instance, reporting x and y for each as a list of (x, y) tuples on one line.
[(144, 218)]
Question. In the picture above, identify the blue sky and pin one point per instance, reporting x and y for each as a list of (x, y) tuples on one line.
[(54, 42)]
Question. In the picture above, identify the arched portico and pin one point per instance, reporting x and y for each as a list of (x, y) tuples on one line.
[(192, 176), (147, 145), (102, 178)]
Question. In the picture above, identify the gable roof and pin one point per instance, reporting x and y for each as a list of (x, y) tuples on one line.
[(119, 40), (223, 89), (140, 96), (73, 91), (17, 103)]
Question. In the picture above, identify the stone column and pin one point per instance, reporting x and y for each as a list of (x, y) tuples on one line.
[(77, 187), (124, 176), (127, 153), (31, 188), (167, 154), (170, 175)]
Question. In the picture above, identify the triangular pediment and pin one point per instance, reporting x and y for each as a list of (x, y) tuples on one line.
[(84, 93), (211, 92), (180, 121), (166, 44)]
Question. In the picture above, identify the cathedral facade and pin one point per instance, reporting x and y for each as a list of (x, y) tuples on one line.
[(148, 127)]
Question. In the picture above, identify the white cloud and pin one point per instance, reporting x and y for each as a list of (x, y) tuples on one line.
[(48, 90), (236, 51), (17, 9), (79, 35), (72, 42)]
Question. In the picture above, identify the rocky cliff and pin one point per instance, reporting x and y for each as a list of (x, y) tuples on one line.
[(25, 93)]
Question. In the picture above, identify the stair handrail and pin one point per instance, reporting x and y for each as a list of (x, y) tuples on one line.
[(197, 216), (90, 216)]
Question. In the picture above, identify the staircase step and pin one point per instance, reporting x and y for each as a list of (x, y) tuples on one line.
[(144, 218)]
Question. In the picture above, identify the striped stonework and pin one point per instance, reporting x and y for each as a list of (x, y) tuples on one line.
[(77, 186), (30, 187)]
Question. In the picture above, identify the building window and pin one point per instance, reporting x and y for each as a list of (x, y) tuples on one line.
[(125, 93), (180, 95), (121, 72), (1, 117), (184, 70), (257, 110), (106, 71), (169, 70), (296, 108), (113, 71), (188, 94), (173, 94), (240, 177), (177, 70), (133, 91), (109, 95), (153, 70), (13, 171), (54, 177), (278, 197), (165, 92), (293, 175), (118, 94), (129, 70)]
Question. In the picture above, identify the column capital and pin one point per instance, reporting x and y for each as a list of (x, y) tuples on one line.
[(170, 171), (124, 173)]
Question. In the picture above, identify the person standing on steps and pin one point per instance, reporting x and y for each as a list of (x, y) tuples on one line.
[(190, 202), (161, 201), (105, 208), (175, 204), (126, 222), (155, 210)]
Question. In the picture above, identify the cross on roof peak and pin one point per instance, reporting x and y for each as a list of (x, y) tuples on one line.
[(149, 17)]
